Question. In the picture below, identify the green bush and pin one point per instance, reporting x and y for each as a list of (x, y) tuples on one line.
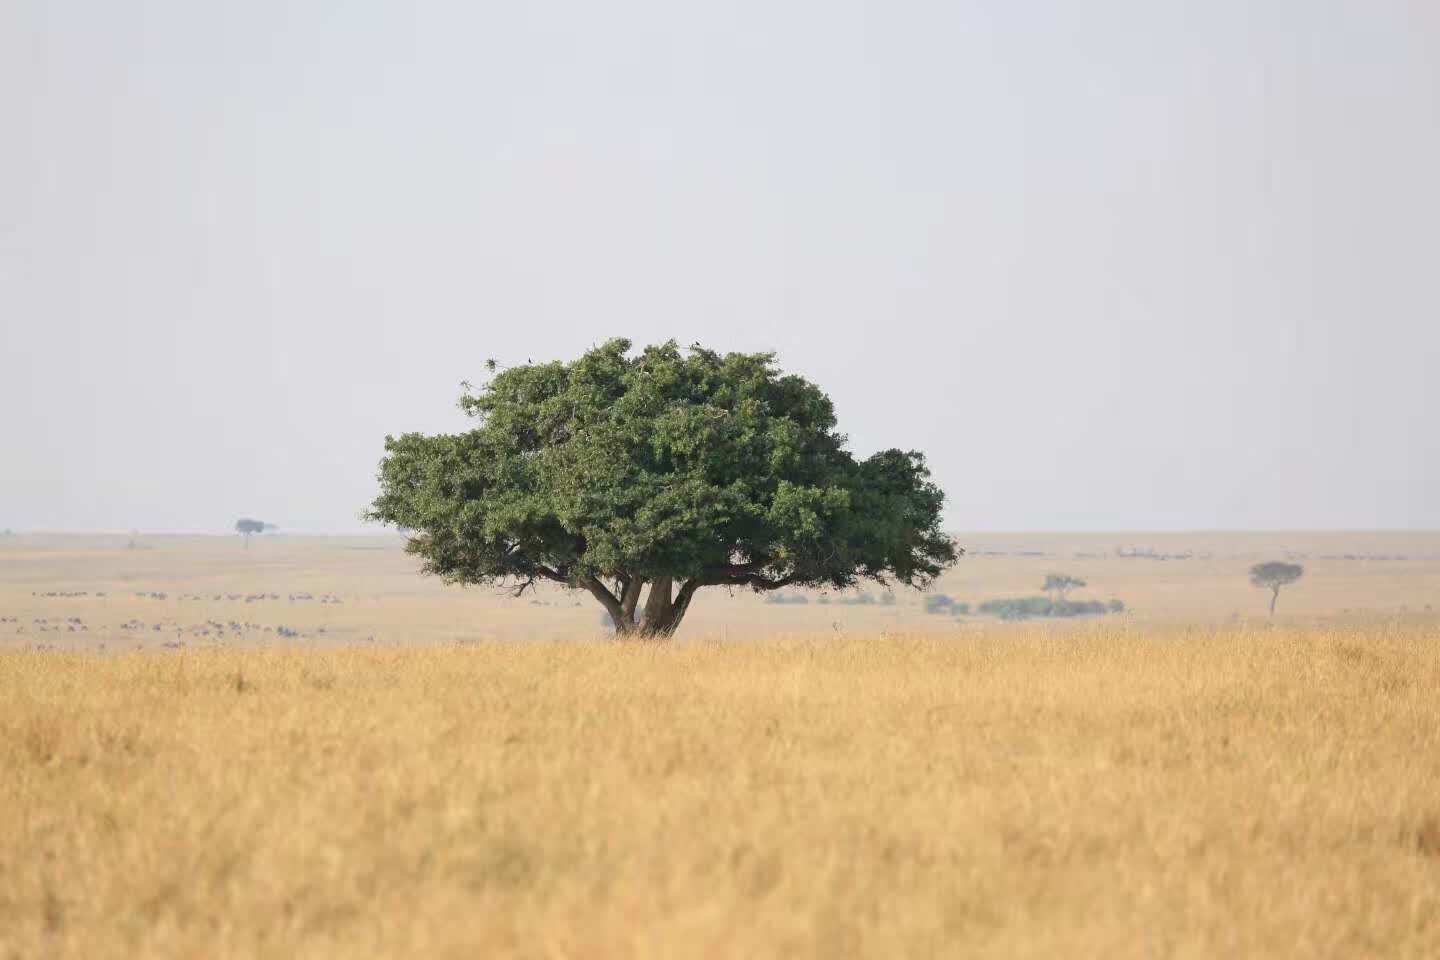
[(1078, 608), (1017, 608), (1024, 608)]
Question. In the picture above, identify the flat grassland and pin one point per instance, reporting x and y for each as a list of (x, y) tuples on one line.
[(1139, 785), (122, 593)]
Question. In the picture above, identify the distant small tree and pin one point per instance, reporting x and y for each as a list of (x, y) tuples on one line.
[(1274, 575), (1059, 584), (245, 527)]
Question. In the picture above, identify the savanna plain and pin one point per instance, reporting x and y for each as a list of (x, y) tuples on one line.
[(300, 748)]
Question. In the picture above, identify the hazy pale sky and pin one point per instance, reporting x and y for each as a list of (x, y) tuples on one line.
[(1117, 264)]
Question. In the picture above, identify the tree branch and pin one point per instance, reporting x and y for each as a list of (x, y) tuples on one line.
[(740, 569), (607, 599), (682, 601), (743, 575), (550, 574), (757, 582)]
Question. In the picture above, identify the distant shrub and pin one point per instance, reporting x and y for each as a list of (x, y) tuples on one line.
[(941, 604), (859, 600), (1017, 608), (786, 598), (938, 603), (887, 599), (1079, 608), (1116, 606), (1024, 608)]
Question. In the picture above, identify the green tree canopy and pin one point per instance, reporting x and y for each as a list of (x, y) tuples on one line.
[(668, 469), (246, 526)]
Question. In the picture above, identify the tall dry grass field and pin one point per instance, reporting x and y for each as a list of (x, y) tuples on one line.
[(1088, 791)]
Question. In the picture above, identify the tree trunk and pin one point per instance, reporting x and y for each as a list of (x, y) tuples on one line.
[(630, 597), (1275, 595), (678, 608), (664, 608), (659, 617)]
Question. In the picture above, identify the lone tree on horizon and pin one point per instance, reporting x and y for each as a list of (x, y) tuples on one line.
[(245, 527), (1272, 576), (669, 470)]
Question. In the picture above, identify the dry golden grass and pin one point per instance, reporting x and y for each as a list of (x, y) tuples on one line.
[(1092, 791)]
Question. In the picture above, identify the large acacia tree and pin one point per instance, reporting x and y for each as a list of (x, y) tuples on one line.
[(665, 470)]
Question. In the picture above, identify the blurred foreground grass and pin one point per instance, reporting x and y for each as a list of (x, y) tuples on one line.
[(1081, 791)]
